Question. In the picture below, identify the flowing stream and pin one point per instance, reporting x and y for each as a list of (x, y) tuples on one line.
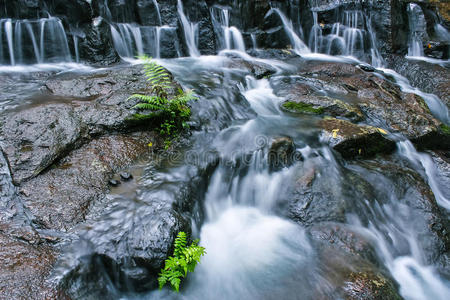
[(255, 249)]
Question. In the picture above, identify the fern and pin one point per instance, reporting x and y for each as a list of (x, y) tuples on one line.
[(173, 113), (184, 260)]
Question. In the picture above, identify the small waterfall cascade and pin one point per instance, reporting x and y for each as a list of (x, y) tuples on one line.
[(315, 36), (424, 161), (415, 16), (33, 41), (229, 36), (297, 44), (131, 40), (351, 35), (190, 31)]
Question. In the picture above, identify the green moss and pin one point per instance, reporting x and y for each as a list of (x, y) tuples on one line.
[(302, 107), (445, 129)]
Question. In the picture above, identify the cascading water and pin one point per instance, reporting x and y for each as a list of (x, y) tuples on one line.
[(348, 37), (297, 44), (33, 41), (190, 31), (255, 248), (415, 47), (229, 37), (131, 40)]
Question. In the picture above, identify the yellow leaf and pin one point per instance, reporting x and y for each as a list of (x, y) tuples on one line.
[(335, 132), (150, 144), (382, 131)]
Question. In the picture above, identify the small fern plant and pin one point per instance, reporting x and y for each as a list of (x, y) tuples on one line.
[(184, 260), (171, 113)]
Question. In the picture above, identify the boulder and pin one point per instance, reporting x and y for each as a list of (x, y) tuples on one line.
[(281, 153), (352, 140)]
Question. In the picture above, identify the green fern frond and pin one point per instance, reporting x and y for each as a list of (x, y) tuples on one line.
[(184, 260)]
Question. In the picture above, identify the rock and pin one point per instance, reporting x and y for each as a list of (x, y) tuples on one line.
[(25, 268), (304, 98), (96, 45), (35, 138), (344, 239), (130, 250), (126, 176), (431, 227), (430, 78), (369, 285), (352, 140), (258, 69), (113, 182), (61, 197), (281, 153)]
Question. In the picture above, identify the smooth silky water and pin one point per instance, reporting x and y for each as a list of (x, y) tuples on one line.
[(253, 250)]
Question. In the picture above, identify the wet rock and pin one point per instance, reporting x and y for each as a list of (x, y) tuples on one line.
[(35, 138), (25, 268), (61, 197), (343, 238), (379, 100), (352, 140), (304, 98), (126, 176), (38, 136), (258, 69), (369, 285), (430, 78), (95, 43), (281, 153), (113, 182), (430, 227), (125, 256)]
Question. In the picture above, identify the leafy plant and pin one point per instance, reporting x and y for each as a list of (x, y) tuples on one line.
[(184, 260), (173, 113)]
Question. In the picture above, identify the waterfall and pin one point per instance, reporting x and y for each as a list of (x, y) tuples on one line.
[(422, 160), (315, 36), (9, 37), (353, 35), (229, 36), (155, 3), (415, 47), (21, 38), (297, 44), (190, 31)]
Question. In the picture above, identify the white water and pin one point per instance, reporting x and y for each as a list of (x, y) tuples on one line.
[(297, 44), (436, 106), (230, 37), (22, 41), (422, 160), (415, 47), (190, 31)]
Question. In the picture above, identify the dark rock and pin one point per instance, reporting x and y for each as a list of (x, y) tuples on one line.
[(304, 98), (258, 69), (148, 13), (281, 153), (126, 176), (81, 179), (354, 140), (114, 182), (25, 268), (130, 253), (96, 45), (344, 239), (430, 78), (430, 226), (35, 138)]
